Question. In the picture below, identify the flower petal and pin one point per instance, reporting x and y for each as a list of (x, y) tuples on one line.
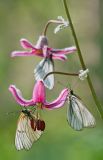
[(21, 53), (64, 51), (36, 52), (18, 97), (26, 44), (39, 92), (59, 56), (42, 41), (44, 67), (59, 102), (45, 51)]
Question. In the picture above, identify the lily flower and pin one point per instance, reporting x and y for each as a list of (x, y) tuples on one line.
[(46, 65), (39, 97)]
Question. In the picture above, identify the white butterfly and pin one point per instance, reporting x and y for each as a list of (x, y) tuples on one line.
[(44, 67), (26, 132), (78, 115)]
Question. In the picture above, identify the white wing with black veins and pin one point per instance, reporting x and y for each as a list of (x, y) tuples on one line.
[(78, 115), (25, 135), (42, 69)]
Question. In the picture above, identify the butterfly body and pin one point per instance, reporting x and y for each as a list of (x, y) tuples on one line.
[(40, 125)]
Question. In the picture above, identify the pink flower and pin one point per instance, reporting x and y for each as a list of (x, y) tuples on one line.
[(39, 97), (46, 65)]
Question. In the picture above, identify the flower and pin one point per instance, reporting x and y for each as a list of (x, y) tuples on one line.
[(39, 97), (30, 125), (46, 65), (62, 25)]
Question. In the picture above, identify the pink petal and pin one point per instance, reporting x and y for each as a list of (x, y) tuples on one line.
[(59, 102), (26, 44), (21, 53), (59, 56), (42, 41), (18, 97), (37, 52), (45, 51), (39, 92), (64, 51)]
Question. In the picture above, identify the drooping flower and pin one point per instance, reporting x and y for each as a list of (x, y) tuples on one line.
[(62, 25), (30, 125), (43, 50), (39, 97)]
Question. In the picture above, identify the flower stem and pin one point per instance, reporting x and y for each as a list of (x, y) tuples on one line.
[(100, 109), (48, 23), (63, 73)]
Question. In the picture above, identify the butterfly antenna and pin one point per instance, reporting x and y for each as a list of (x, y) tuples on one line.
[(61, 83), (75, 84), (67, 86)]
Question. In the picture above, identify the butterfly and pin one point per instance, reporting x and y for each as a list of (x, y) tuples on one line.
[(78, 115), (42, 69), (29, 129)]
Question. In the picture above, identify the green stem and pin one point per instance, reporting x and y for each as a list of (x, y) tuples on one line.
[(63, 73), (81, 60)]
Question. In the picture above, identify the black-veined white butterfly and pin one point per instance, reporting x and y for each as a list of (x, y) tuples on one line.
[(29, 130), (78, 115), (43, 68)]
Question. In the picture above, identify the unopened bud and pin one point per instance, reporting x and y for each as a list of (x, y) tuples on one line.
[(42, 41), (83, 74)]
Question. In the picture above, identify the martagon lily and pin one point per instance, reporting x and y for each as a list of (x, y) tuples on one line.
[(39, 97), (46, 65), (42, 49)]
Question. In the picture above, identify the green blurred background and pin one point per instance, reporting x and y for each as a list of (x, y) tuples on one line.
[(26, 19)]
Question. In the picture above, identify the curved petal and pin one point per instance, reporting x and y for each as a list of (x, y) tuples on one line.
[(59, 102), (44, 67), (39, 92), (42, 41), (21, 53), (64, 51), (27, 53), (18, 97), (45, 51), (59, 56), (26, 44)]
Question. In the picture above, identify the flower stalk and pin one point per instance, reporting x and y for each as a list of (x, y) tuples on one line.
[(63, 73), (61, 23), (48, 23), (100, 109)]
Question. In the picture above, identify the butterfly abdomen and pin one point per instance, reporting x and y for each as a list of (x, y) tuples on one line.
[(40, 124), (33, 124)]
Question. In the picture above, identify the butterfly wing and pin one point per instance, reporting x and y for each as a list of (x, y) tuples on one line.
[(74, 115), (25, 135), (78, 115), (44, 67), (88, 119)]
